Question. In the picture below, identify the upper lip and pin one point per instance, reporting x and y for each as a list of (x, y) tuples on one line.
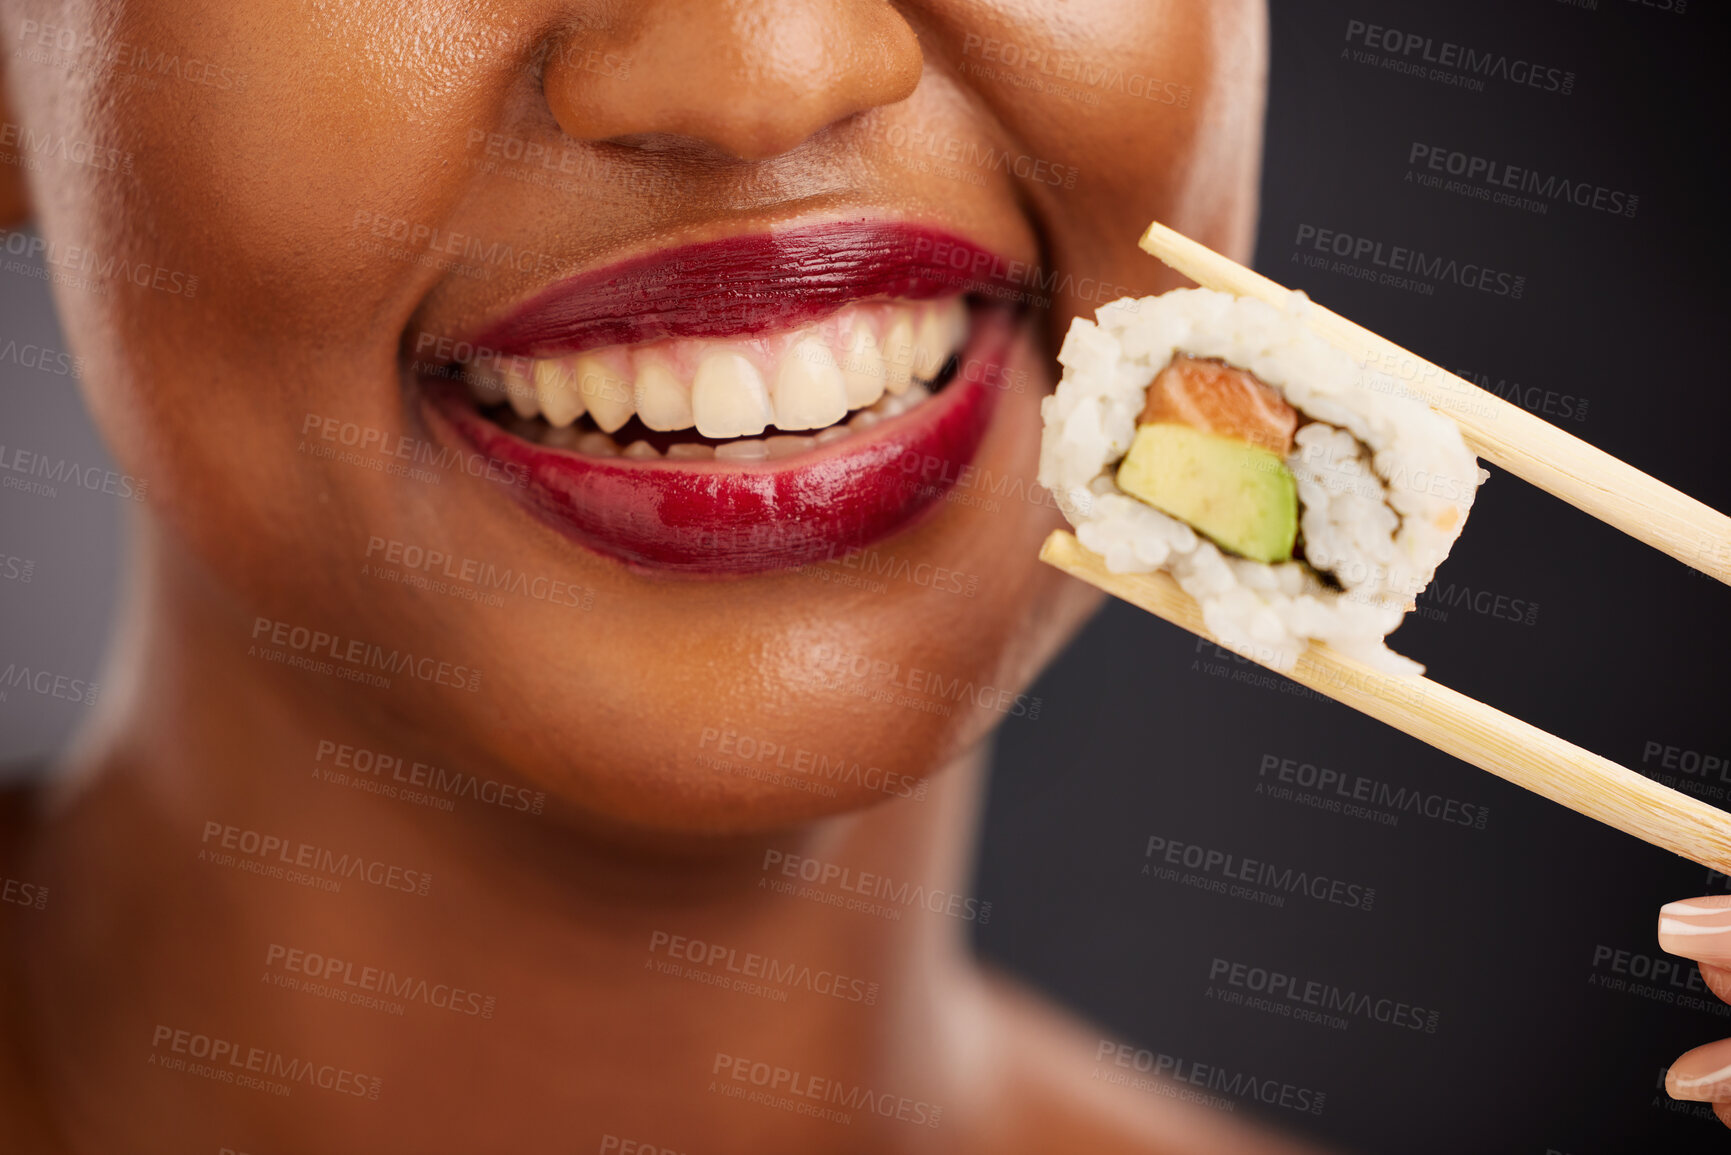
[(737, 286)]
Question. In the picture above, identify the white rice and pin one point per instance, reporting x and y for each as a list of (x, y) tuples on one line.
[(1384, 484)]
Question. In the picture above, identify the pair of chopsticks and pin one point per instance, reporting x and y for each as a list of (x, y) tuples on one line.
[(1531, 448)]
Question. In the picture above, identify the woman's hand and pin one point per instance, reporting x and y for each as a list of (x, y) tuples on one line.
[(1700, 929)]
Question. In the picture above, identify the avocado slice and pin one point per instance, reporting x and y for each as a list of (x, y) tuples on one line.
[(1238, 495)]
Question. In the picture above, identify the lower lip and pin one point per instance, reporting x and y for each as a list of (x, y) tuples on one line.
[(713, 519)]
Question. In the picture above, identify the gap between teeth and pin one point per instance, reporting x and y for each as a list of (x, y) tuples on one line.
[(806, 379)]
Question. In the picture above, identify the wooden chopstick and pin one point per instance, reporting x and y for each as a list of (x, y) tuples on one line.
[(1453, 723), (1526, 445)]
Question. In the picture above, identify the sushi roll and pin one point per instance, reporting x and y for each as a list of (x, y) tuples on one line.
[(1294, 493)]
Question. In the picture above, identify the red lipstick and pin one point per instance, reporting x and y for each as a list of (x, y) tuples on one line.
[(738, 517), (738, 286)]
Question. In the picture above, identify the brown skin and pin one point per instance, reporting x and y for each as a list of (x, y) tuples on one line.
[(753, 114)]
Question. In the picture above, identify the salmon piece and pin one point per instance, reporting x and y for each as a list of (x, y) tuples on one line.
[(1219, 399)]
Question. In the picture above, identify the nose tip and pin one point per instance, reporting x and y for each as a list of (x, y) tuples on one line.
[(750, 78)]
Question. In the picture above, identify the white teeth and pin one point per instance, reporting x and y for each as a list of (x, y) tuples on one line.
[(862, 367), (873, 359), (752, 450), (556, 390), (932, 345), (809, 392), (955, 312), (523, 394), (609, 395), (833, 433), (728, 398), (787, 445), (779, 446), (899, 355), (597, 445), (663, 401)]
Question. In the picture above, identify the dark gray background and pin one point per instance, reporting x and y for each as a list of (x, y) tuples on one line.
[(1495, 930)]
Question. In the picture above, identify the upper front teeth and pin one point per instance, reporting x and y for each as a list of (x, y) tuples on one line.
[(809, 391), (801, 380), (663, 401), (728, 398)]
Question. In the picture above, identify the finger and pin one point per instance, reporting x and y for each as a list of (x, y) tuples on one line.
[(1703, 1075), (1698, 928), (1718, 980), (1723, 1110)]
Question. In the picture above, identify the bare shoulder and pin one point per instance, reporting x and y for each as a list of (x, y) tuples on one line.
[(1055, 1098), (25, 1126)]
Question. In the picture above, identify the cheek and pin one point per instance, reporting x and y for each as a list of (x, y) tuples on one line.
[(1146, 110)]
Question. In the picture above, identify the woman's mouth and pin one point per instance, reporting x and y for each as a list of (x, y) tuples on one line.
[(778, 399)]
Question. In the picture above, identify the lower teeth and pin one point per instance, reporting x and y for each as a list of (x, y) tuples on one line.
[(593, 443)]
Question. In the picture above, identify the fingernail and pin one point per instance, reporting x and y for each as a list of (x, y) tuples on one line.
[(1703, 1074), (1697, 928)]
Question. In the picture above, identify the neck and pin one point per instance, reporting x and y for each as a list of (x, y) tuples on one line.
[(237, 901)]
